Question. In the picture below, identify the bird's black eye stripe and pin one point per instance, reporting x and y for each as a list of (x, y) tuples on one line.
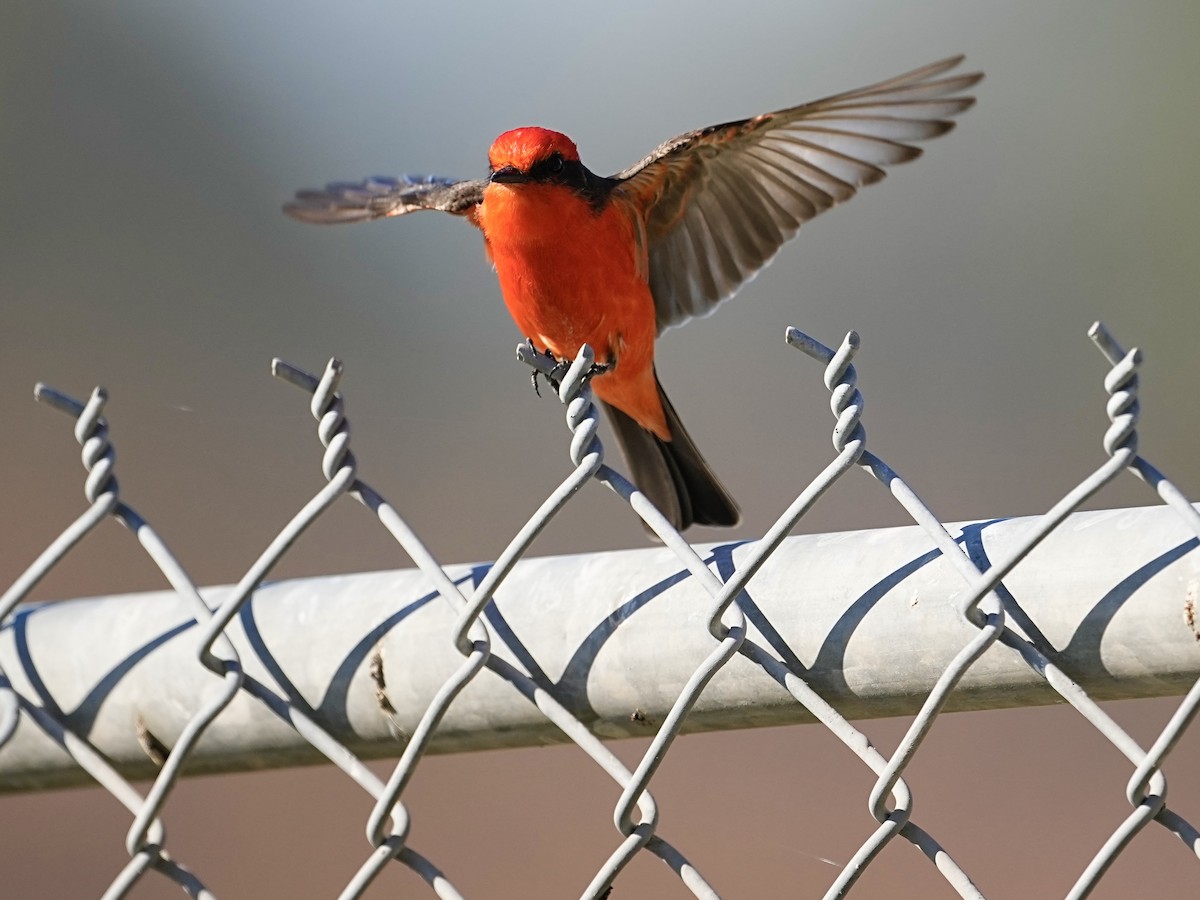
[(555, 168)]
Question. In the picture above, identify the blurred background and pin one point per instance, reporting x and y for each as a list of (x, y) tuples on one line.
[(146, 149)]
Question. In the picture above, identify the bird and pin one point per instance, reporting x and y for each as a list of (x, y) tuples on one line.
[(615, 261)]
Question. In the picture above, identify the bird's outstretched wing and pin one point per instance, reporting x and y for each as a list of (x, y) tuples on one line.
[(721, 201), (379, 197)]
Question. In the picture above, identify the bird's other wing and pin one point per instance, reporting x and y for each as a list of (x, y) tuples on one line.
[(721, 201), (375, 198)]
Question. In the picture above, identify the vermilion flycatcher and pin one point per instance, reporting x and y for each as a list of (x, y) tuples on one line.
[(613, 262)]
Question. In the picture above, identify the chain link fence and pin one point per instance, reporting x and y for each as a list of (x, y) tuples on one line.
[(238, 684)]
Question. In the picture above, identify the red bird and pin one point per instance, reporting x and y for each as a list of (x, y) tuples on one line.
[(613, 262)]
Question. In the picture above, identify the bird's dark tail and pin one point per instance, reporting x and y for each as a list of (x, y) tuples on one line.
[(672, 473)]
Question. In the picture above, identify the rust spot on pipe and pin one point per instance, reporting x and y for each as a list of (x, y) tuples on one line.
[(376, 671), (155, 749), (1189, 615)]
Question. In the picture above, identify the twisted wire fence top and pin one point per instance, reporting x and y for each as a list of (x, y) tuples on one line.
[(732, 627)]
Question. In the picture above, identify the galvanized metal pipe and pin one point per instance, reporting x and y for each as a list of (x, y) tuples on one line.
[(866, 617)]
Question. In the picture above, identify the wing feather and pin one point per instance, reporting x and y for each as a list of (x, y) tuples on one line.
[(721, 201), (375, 198)]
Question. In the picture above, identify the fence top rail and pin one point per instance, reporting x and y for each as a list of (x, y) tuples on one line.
[(868, 615)]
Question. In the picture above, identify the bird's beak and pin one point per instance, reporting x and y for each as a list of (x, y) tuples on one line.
[(509, 175)]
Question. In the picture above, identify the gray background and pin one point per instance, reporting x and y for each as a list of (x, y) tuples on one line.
[(145, 151)]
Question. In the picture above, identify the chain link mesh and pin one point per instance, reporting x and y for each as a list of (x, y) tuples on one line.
[(981, 602)]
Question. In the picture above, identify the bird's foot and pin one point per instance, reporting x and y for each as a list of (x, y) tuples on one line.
[(554, 374), (557, 370), (597, 368)]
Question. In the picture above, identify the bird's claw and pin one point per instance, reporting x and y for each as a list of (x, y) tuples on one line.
[(554, 376), (595, 369), (558, 371)]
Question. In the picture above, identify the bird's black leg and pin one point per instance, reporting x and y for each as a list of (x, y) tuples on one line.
[(560, 367), (559, 372), (598, 368), (554, 377)]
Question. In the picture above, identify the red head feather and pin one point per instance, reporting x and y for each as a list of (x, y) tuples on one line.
[(522, 147)]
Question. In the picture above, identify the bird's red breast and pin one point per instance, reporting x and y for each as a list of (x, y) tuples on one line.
[(574, 272)]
